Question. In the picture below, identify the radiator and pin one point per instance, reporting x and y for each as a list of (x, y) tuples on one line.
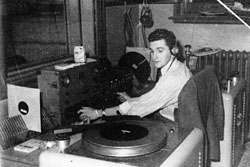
[(232, 146), (236, 102), (225, 62)]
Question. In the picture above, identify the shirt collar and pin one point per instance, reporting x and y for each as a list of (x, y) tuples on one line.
[(166, 67)]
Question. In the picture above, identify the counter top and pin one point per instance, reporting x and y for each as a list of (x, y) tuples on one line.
[(13, 158)]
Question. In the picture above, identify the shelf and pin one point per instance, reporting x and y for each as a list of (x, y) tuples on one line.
[(206, 13), (136, 2), (206, 19)]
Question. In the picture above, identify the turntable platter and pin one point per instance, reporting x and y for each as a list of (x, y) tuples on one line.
[(126, 139)]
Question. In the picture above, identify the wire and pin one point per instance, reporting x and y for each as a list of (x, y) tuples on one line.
[(144, 36), (194, 26)]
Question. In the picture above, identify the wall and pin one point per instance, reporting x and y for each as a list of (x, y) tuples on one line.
[(87, 16), (225, 36), (115, 34), (88, 27)]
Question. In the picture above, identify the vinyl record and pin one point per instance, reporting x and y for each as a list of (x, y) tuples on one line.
[(138, 63)]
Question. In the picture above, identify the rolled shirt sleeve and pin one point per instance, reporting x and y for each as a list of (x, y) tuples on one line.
[(163, 96), (124, 108)]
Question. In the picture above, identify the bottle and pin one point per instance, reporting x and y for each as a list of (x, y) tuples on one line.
[(234, 77), (188, 53)]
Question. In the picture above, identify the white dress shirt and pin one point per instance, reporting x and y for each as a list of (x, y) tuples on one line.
[(163, 96)]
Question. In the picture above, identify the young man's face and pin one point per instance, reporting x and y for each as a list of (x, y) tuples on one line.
[(160, 53)]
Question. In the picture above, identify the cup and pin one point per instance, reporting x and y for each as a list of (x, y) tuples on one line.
[(62, 142), (79, 54)]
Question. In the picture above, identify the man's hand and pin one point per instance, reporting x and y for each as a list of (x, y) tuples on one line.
[(89, 113)]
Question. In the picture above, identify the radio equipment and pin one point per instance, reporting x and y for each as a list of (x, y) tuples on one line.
[(65, 91), (62, 89)]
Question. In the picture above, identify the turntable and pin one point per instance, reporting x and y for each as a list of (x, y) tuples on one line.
[(125, 139), (130, 143)]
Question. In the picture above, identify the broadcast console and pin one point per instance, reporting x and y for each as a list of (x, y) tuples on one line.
[(65, 91)]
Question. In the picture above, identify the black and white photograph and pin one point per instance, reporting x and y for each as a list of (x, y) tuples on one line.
[(124, 83)]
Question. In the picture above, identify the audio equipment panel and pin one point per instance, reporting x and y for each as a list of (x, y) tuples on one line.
[(66, 90), (63, 91), (110, 82)]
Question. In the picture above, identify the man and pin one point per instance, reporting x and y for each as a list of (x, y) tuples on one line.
[(163, 98)]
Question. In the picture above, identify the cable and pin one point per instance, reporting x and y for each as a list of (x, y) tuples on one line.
[(144, 36), (194, 26)]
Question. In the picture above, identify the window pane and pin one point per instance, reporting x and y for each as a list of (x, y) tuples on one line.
[(35, 32)]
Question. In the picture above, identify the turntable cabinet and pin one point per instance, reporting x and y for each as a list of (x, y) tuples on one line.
[(135, 143)]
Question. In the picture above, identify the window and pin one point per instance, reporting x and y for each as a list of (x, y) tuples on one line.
[(36, 31), (35, 35)]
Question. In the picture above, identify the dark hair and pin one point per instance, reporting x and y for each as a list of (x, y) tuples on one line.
[(159, 34)]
